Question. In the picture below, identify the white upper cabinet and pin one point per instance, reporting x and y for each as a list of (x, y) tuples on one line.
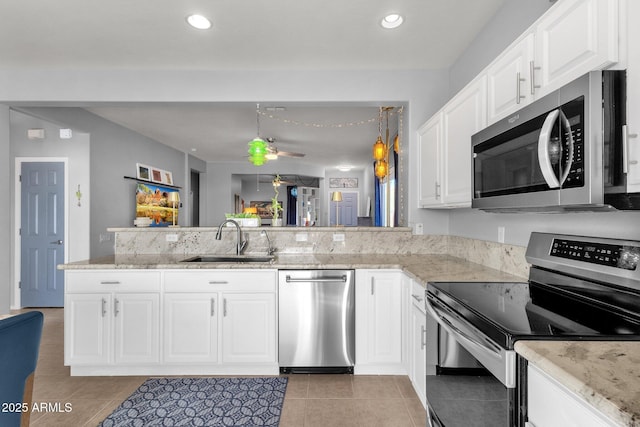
[(463, 116), (573, 38), (444, 144), (632, 134), (570, 39), (508, 79), (429, 146)]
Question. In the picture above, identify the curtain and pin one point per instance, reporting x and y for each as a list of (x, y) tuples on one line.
[(395, 201), (292, 205), (378, 208)]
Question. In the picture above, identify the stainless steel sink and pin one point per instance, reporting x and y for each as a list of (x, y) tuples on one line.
[(231, 258)]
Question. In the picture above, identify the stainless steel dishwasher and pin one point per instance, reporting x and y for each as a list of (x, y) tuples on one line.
[(316, 323)]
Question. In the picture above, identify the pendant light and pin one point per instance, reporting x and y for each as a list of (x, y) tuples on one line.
[(379, 148), (257, 147), (381, 169)]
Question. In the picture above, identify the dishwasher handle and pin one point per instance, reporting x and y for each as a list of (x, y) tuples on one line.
[(342, 279)]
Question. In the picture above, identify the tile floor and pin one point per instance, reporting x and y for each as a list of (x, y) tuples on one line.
[(311, 400)]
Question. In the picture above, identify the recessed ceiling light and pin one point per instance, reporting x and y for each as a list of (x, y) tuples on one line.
[(199, 22), (344, 168), (392, 20)]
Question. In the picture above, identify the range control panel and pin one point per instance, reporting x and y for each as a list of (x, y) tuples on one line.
[(625, 257)]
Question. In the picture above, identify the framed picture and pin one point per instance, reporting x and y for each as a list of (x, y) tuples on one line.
[(152, 201), (156, 175), (167, 177), (343, 182), (264, 208), (143, 172)]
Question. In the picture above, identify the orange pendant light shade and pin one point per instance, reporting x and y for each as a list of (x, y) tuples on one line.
[(379, 149), (381, 169), (396, 144)]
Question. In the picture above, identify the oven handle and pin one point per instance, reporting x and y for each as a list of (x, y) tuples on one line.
[(543, 149), (457, 326)]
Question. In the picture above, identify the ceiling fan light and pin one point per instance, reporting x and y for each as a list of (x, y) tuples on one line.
[(271, 156)]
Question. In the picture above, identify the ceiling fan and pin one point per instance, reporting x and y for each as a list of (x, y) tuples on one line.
[(274, 153)]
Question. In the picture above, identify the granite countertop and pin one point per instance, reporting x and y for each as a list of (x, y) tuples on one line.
[(606, 374), (423, 268)]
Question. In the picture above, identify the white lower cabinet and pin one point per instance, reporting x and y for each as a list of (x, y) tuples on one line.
[(379, 322), (171, 322), (418, 343), (249, 328), (111, 318), (550, 404), (190, 327)]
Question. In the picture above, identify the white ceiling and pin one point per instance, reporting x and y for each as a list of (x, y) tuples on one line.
[(275, 34)]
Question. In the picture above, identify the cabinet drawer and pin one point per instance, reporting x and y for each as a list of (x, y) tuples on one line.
[(417, 296), (220, 280), (110, 280)]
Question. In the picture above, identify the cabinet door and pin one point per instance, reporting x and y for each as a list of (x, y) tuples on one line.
[(463, 116), (633, 99), (379, 318), (248, 328), (573, 38), (87, 332), (191, 327), (429, 146), (419, 353), (551, 404), (137, 327), (508, 80)]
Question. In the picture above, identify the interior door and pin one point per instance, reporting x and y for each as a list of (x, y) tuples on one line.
[(42, 234), (347, 210)]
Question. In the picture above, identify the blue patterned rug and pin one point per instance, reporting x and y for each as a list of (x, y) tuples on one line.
[(202, 402)]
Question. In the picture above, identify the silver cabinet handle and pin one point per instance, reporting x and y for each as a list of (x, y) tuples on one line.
[(518, 81), (213, 307), (437, 190), (224, 307), (104, 307), (116, 307), (417, 297), (218, 282), (625, 149), (109, 282), (373, 286), (532, 74), (56, 242), (423, 337)]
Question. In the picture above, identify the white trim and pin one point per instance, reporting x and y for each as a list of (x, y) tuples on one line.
[(16, 304)]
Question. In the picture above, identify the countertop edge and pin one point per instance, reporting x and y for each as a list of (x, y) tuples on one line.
[(594, 396)]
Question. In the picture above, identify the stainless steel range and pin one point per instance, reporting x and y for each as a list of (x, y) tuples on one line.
[(579, 288)]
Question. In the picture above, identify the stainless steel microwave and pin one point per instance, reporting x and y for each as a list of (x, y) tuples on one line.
[(563, 152)]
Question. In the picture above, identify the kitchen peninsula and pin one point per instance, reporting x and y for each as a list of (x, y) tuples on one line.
[(152, 261)]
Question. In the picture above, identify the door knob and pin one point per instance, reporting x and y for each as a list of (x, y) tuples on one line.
[(57, 242)]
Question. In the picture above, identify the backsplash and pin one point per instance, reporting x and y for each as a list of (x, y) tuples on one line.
[(365, 240)]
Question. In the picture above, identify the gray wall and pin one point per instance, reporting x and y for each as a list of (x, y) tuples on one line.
[(506, 25), (114, 154), (5, 214)]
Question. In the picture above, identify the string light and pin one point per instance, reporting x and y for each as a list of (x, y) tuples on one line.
[(324, 125)]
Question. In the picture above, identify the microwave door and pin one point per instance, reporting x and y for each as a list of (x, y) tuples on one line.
[(555, 148)]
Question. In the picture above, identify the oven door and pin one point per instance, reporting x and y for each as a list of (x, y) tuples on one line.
[(467, 397)]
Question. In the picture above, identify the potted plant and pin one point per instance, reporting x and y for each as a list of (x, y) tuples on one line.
[(276, 207)]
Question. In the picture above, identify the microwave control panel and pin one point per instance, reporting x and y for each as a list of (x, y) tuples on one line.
[(618, 256)]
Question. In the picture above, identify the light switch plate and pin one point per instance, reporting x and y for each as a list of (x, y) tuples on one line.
[(302, 237), (172, 237), (338, 237)]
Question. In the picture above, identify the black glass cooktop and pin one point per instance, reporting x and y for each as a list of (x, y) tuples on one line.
[(553, 309)]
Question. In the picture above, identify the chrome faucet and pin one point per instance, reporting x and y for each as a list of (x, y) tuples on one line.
[(240, 244), (271, 249)]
